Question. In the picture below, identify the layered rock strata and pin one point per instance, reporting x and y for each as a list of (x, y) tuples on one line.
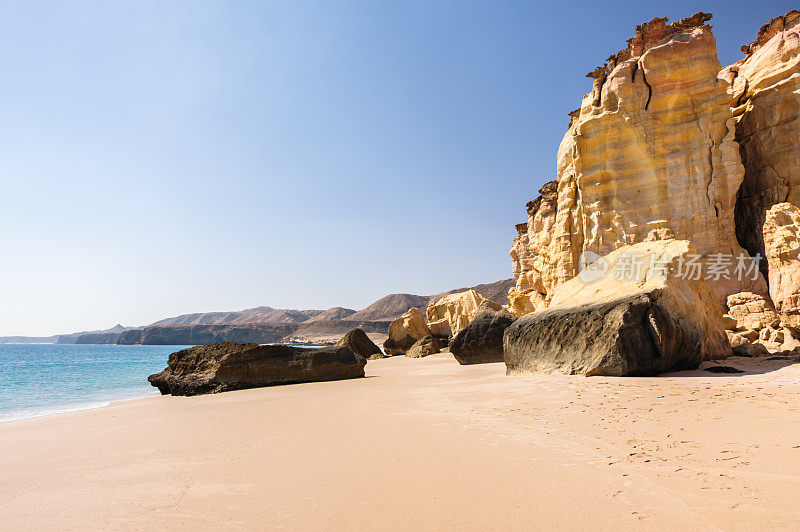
[(750, 312), (782, 248), (765, 97), (650, 154)]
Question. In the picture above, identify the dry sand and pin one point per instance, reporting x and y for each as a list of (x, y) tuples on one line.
[(423, 444)]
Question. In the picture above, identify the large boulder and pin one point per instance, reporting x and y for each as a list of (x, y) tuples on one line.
[(359, 343), (633, 335), (482, 340), (430, 345), (232, 366), (405, 331), (782, 247), (458, 309), (651, 321)]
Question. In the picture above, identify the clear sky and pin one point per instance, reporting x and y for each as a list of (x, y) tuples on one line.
[(159, 158)]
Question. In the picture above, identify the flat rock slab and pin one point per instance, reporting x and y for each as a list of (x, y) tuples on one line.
[(228, 366)]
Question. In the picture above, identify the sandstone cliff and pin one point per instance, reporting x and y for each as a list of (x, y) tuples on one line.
[(457, 310), (782, 245), (650, 154), (765, 97)]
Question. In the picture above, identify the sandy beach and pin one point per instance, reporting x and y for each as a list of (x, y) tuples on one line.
[(423, 444)]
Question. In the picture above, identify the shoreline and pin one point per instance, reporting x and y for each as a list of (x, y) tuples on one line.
[(444, 354), (42, 380), (81, 408), (422, 443)]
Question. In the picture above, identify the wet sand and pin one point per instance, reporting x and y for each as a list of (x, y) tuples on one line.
[(423, 443)]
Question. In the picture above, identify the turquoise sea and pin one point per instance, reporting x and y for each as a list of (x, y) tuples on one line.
[(41, 379)]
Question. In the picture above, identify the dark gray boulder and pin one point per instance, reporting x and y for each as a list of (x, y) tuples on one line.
[(232, 366), (629, 336), (358, 342), (481, 341)]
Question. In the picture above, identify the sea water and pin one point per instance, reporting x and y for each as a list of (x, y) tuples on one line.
[(42, 379)]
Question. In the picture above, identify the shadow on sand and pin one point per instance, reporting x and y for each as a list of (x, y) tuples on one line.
[(746, 365)]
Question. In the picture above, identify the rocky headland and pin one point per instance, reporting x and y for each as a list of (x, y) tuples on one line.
[(668, 147)]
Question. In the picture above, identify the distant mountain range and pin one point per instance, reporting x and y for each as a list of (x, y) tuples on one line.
[(266, 324)]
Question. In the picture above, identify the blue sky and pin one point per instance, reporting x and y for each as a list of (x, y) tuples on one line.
[(159, 158)]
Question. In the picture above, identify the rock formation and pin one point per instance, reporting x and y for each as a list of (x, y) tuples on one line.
[(430, 345), (765, 97), (743, 347), (458, 309), (405, 331), (629, 336), (482, 340), (440, 328), (751, 312), (531, 268), (782, 248), (359, 343), (654, 321), (650, 154), (232, 366)]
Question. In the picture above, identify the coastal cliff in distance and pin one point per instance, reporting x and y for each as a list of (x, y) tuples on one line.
[(259, 333), (72, 338), (269, 325)]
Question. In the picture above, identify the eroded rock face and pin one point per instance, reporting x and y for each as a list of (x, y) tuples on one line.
[(232, 366), (782, 248), (440, 328), (359, 343), (751, 311), (481, 341), (651, 154), (765, 97), (652, 322), (458, 309), (531, 270), (405, 331)]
